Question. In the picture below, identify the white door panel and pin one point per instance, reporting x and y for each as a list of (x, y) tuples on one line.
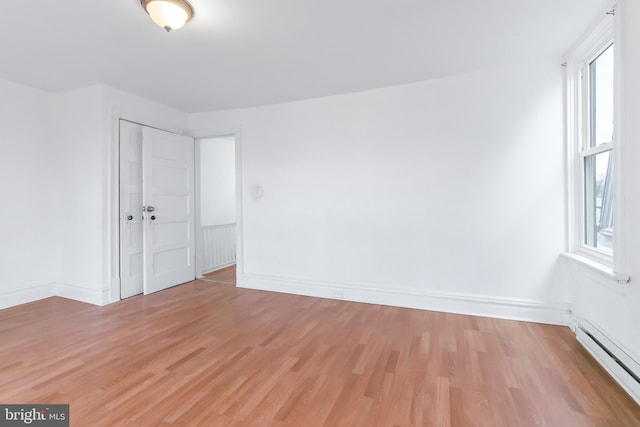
[(168, 188), (155, 254), (131, 222)]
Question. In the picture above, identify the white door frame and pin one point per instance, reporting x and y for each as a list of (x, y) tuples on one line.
[(111, 229), (238, 172), (130, 137)]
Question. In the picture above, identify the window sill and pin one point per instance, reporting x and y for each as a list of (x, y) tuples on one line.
[(616, 281)]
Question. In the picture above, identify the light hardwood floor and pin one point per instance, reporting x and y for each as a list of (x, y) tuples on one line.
[(225, 275), (204, 354)]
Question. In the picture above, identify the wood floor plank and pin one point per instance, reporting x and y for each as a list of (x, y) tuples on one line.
[(211, 354), (225, 275)]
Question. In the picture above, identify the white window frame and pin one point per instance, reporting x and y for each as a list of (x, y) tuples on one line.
[(596, 41)]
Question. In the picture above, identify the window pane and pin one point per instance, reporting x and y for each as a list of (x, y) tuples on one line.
[(599, 200), (601, 98)]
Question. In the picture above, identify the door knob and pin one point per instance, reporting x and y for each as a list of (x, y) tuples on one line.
[(150, 209), (153, 217), (129, 217)]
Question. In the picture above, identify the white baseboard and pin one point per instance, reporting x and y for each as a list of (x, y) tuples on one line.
[(583, 328), (83, 293), (502, 308), (557, 314), (114, 294), (26, 293)]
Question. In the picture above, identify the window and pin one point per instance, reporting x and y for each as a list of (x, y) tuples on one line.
[(591, 144), (597, 154)]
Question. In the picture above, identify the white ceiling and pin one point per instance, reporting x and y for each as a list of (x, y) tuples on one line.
[(240, 53)]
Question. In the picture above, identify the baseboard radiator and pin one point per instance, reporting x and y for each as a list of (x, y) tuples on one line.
[(615, 360), (218, 246)]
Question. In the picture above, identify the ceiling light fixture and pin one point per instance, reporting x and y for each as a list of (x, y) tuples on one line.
[(169, 14)]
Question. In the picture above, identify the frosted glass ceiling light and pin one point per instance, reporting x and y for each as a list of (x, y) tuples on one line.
[(169, 14)]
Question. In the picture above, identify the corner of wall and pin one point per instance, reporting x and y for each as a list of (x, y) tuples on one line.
[(83, 293)]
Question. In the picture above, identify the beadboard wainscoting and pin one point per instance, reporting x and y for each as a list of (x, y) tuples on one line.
[(218, 246)]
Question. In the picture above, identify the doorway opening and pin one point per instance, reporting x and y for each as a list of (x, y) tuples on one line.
[(217, 214), (156, 203)]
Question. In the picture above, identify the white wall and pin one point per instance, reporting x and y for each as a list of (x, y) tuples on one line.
[(595, 298), (59, 169), (79, 194), (217, 181), (121, 105), (27, 180), (445, 194)]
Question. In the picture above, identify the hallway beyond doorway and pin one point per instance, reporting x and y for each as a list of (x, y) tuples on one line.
[(226, 276)]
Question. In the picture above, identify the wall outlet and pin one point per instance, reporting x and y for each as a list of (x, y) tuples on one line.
[(337, 293)]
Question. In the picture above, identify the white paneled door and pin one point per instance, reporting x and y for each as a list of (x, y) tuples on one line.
[(163, 253), (131, 219), (168, 192)]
